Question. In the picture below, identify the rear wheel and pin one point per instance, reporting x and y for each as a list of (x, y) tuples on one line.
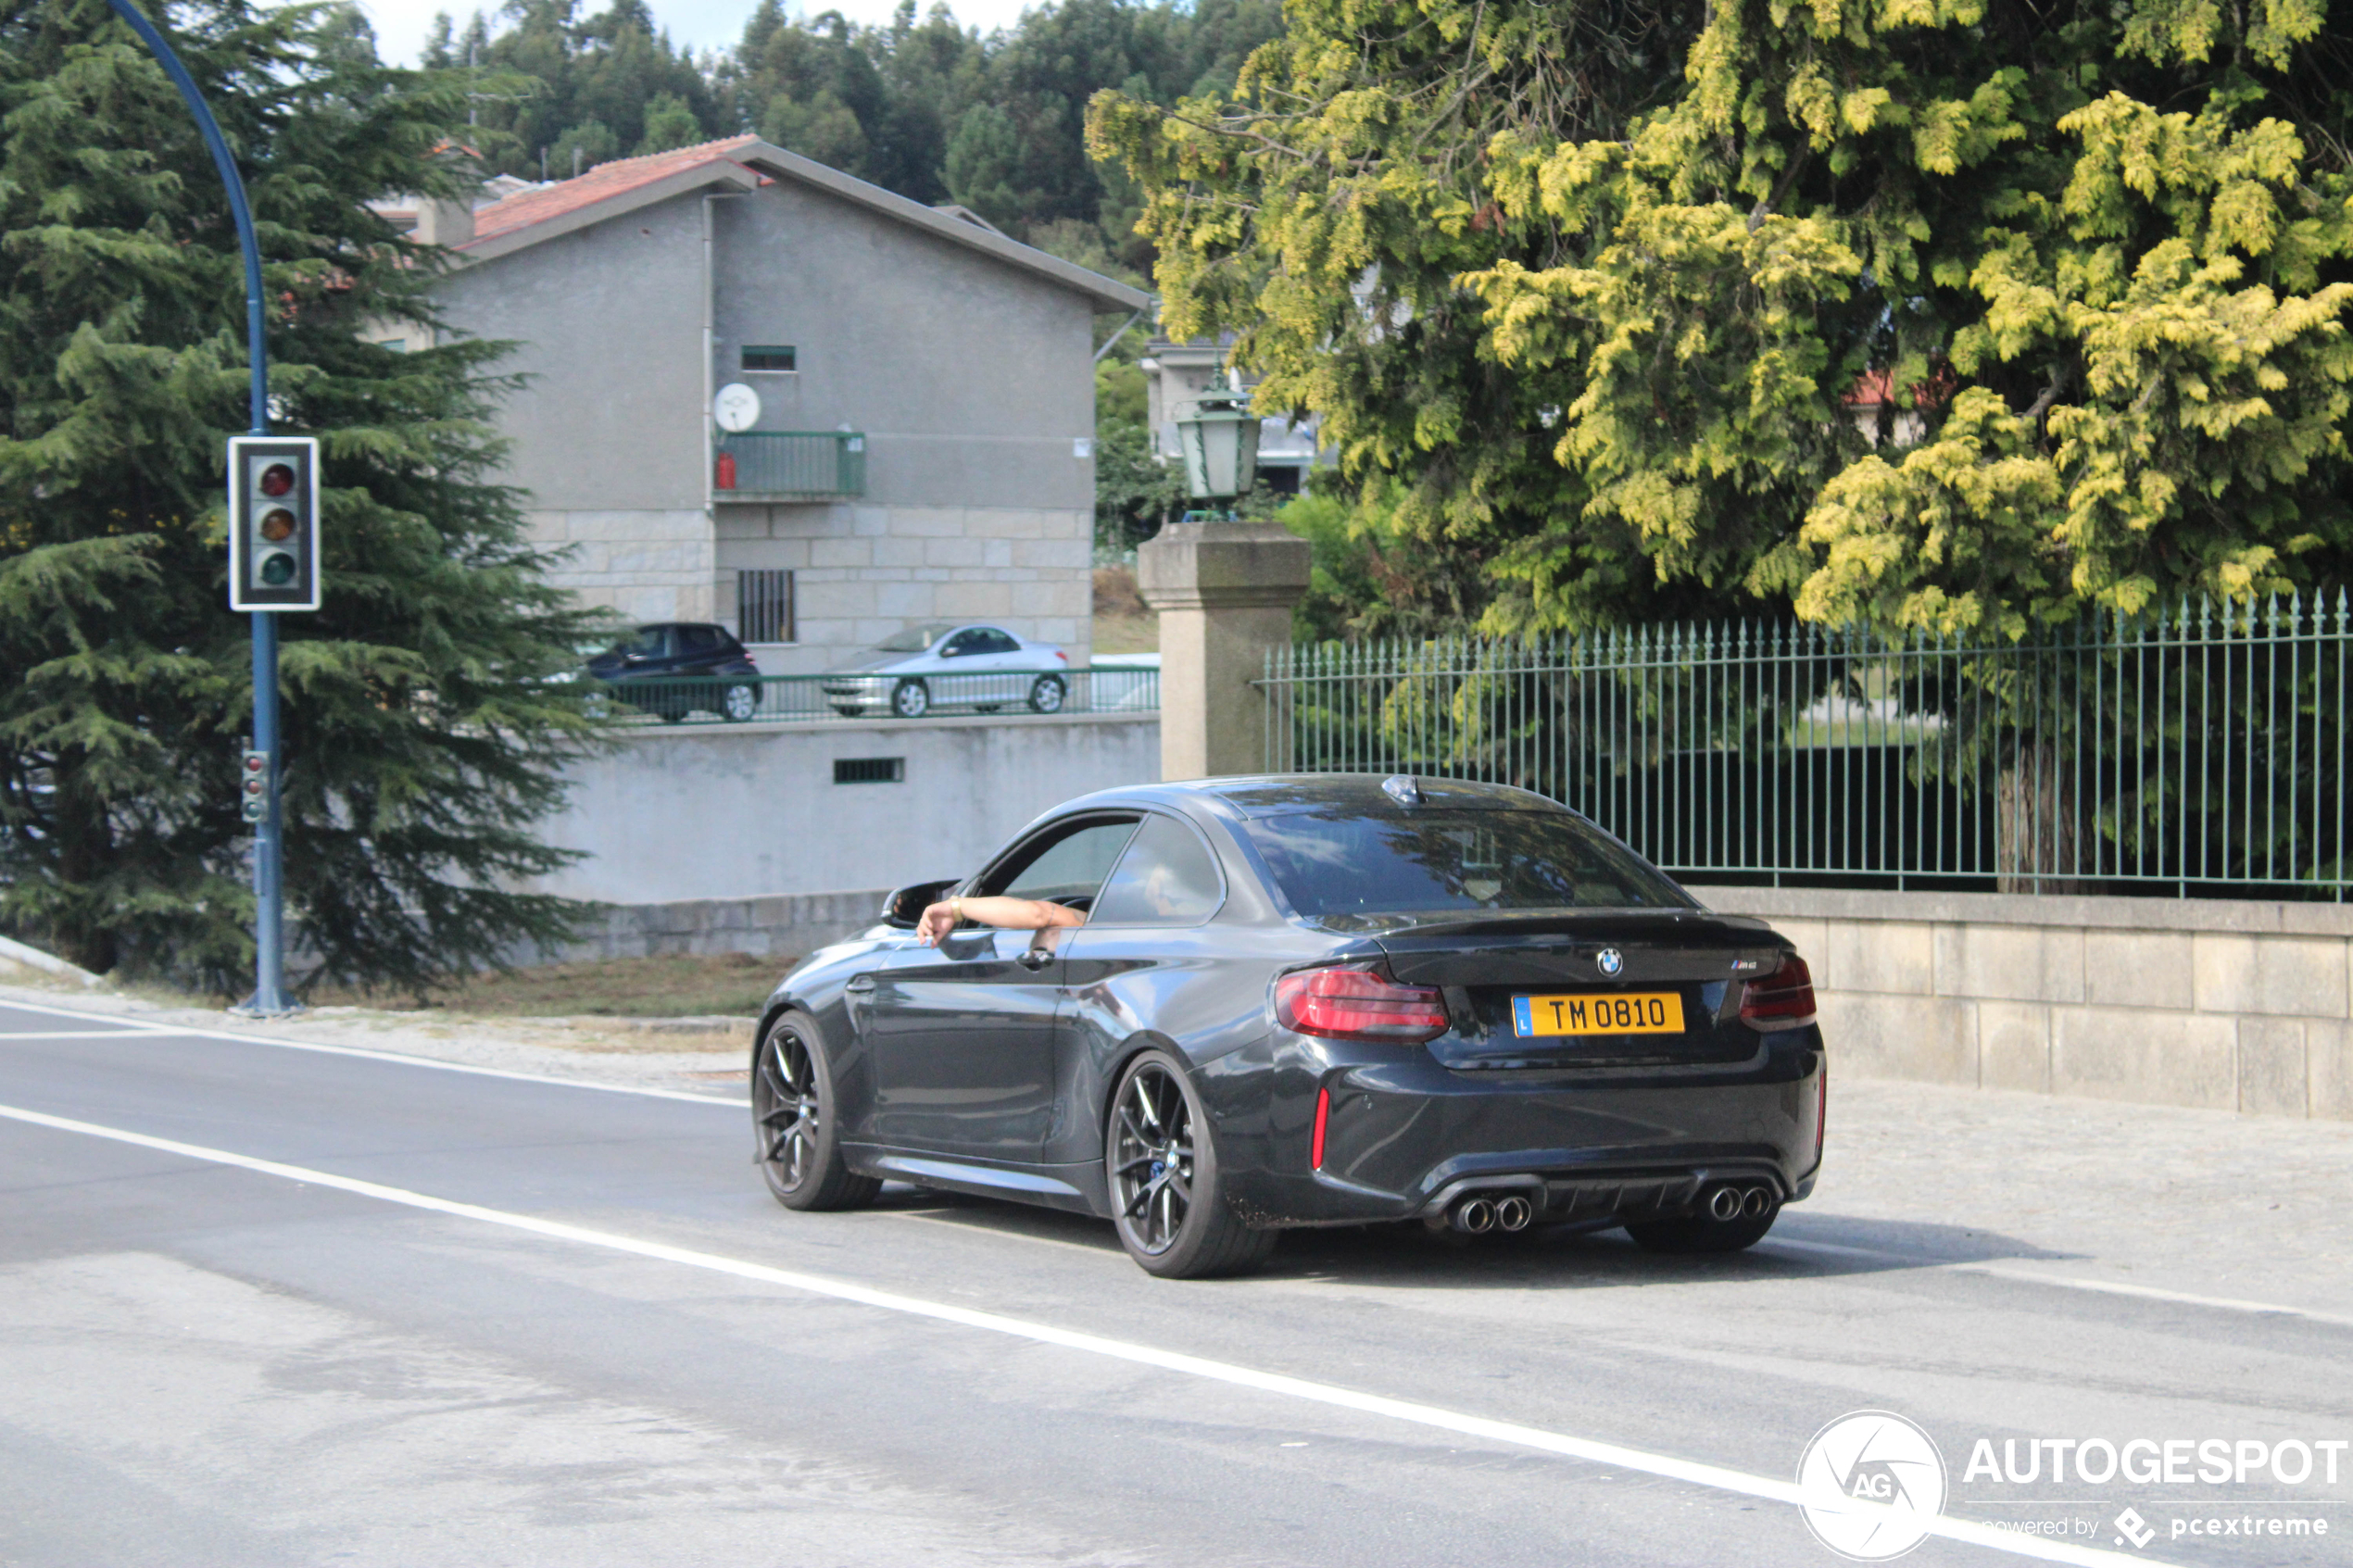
[(1045, 694), (910, 699), (739, 703), (796, 1133), (1161, 1168)]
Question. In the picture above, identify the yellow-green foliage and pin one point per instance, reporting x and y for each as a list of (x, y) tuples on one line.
[(2092, 263)]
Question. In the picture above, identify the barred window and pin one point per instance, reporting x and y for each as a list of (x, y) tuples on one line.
[(764, 607)]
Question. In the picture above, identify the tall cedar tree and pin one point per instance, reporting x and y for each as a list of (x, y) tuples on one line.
[(2098, 258), (424, 736)]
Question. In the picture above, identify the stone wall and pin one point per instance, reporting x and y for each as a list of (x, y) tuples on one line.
[(785, 925), (2234, 1006)]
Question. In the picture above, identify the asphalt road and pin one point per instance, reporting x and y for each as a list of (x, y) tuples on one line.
[(262, 1305)]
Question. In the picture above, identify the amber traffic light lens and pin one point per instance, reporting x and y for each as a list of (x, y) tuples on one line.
[(278, 479), (277, 525)]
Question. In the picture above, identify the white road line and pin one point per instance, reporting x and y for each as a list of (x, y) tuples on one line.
[(2065, 1282), (75, 1033), (1715, 1477), (361, 1051)]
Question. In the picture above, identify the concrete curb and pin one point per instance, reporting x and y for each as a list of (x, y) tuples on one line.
[(33, 958)]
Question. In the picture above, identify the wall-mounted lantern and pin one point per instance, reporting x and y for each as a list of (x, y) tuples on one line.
[(1218, 435)]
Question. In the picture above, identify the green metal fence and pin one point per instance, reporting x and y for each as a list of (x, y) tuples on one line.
[(677, 700), (791, 464), (2204, 749)]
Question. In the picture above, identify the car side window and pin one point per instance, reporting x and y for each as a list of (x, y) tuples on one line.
[(992, 641), (1167, 877), (1066, 868), (700, 639)]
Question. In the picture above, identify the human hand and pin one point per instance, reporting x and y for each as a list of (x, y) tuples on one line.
[(938, 921)]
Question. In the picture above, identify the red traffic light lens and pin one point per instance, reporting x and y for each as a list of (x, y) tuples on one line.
[(278, 479), (277, 525)]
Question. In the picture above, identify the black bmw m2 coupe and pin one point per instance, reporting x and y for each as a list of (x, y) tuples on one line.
[(1314, 1001)]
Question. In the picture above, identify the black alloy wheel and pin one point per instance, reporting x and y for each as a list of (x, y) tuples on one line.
[(739, 702), (1045, 694), (910, 699), (1161, 1168), (793, 1122)]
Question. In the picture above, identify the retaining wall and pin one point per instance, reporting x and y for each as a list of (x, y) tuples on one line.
[(2234, 1006), (700, 811)]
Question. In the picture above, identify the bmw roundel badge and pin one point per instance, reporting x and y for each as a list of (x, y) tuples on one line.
[(1609, 960)]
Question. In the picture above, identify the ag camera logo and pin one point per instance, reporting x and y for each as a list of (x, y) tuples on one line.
[(1870, 1485)]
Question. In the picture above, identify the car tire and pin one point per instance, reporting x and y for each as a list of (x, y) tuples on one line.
[(796, 1129), (739, 703), (1047, 694), (1160, 1167), (848, 710), (1700, 1233), (909, 700)]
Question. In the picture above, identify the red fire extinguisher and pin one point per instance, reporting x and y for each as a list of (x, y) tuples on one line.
[(726, 478)]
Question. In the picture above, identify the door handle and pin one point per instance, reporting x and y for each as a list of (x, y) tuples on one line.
[(859, 982), (1035, 958)]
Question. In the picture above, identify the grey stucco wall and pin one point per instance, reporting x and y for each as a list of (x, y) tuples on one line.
[(970, 378), (2234, 1006), (705, 811)]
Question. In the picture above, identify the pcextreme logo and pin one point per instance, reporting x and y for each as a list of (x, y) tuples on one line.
[(1871, 1484)]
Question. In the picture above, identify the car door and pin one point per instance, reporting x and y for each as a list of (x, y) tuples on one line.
[(1128, 968), (962, 1035), (961, 663)]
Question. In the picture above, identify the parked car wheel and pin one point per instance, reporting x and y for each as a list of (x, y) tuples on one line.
[(910, 699), (795, 1131), (1161, 1166), (1047, 694), (739, 703)]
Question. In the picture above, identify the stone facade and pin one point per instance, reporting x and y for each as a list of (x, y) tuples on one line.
[(2199, 1002)]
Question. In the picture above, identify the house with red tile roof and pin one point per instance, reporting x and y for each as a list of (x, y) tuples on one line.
[(915, 443)]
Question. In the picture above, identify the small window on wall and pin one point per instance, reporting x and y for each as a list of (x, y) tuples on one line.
[(770, 356), (764, 607)]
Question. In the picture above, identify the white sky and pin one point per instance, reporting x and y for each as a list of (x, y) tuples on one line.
[(696, 24)]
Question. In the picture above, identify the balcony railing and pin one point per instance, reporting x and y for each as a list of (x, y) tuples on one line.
[(789, 465)]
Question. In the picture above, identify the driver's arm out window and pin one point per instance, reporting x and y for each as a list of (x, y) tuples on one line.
[(1167, 877)]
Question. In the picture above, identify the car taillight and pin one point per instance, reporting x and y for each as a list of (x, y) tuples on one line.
[(1357, 1004), (1783, 1000)]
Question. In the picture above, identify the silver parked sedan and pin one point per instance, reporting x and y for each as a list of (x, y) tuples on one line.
[(926, 667)]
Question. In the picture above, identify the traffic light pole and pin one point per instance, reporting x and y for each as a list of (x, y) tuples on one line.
[(269, 930)]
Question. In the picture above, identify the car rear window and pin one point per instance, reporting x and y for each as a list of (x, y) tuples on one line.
[(1437, 860)]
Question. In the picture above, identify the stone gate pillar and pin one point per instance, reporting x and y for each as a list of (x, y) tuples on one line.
[(1224, 592)]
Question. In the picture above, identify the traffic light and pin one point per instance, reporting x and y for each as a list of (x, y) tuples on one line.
[(274, 522), (253, 786)]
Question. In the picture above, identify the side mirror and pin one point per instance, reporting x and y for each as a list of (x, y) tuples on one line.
[(905, 906)]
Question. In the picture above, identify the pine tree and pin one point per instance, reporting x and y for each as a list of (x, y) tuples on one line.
[(427, 726)]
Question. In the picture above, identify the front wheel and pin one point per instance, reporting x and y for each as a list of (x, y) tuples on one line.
[(1161, 1169), (739, 703), (910, 699), (796, 1129), (1045, 694)]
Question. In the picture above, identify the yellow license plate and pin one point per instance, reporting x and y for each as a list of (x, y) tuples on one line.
[(1629, 1013)]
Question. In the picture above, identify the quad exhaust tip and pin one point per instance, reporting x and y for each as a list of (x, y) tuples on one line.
[(1729, 1203), (1477, 1215)]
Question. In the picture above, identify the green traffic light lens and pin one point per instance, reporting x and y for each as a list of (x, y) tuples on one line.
[(277, 570)]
